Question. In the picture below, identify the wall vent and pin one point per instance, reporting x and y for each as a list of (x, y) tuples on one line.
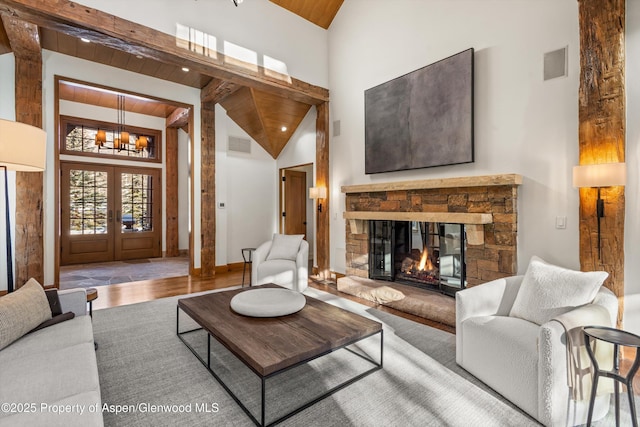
[(239, 145), (555, 64)]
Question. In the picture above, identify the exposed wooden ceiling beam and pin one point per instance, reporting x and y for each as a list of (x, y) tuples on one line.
[(23, 37), (179, 118), (217, 90), (80, 21), (5, 47)]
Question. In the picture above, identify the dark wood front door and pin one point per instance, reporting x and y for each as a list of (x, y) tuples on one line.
[(109, 213), (295, 202)]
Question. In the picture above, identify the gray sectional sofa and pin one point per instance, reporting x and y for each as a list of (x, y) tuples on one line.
[(50, 376)]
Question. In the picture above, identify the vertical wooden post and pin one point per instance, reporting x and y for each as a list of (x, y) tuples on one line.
[(208, 192), (322, 180), (171, 163), (602, 133), (29, 252)]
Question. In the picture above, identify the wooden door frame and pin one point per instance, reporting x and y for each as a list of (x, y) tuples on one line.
[(281, 192), (56, 168)]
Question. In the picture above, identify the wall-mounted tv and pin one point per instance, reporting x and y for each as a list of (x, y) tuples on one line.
[(422, 119)]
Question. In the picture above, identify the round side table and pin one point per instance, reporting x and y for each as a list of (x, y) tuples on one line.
[(618, 338), (247, 254), (92, 295)]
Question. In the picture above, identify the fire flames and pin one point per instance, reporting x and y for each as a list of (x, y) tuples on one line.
[(422, 271), (425, 262)]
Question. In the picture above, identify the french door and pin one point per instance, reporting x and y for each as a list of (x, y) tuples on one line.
[(109, 213)]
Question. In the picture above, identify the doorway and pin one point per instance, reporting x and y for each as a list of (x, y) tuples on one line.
[(297, 213), (109, 213)]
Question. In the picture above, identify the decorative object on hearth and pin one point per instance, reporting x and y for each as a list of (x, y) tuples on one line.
[(23, 148), (319, 194), (598, 176)]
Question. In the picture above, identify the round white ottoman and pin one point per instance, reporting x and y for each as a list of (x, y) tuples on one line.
[(267, 302)]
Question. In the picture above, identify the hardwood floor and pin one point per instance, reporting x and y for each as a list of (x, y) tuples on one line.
[(148, 290)]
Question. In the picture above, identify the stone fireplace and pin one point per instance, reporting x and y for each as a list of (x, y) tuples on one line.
[(480, 211)]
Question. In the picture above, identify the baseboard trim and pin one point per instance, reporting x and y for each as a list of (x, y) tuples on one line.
[(234, 266)]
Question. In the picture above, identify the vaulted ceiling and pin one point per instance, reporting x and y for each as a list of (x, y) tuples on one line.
[(261, 112), (320, 12)]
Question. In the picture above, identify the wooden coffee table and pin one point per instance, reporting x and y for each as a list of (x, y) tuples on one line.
[(270, 346)]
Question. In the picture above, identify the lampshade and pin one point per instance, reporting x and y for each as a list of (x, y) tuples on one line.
[(317, 192), (101, 137), (601, 175), (116, 143), (22, 147), (124, 137), (142, 141)]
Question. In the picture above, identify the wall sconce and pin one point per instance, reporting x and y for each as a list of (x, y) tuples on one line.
[(318, 193), (598, 176)]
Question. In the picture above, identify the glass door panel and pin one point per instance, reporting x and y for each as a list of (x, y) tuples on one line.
[(86, 213), (139, 209)]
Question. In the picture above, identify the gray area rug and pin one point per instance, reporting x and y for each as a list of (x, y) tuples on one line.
[(152, 379)]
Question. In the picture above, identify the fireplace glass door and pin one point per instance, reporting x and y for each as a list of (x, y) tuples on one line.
[(381, 254), (427, 255)]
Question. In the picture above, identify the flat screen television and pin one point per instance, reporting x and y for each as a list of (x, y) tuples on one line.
[(422, 119)]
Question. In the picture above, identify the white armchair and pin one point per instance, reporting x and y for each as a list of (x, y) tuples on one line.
[(284, 260), (523, 361)]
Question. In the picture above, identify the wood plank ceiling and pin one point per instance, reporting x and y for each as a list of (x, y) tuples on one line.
[(320, 12), (262, 114)]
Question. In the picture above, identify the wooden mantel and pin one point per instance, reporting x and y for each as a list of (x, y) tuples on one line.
[(466, 181), (474, 221)]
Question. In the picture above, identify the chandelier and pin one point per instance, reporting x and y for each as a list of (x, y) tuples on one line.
[(121, 137)]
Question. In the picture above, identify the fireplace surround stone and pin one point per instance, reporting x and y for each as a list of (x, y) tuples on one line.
[(487, 205)]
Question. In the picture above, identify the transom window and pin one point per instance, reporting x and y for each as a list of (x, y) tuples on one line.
[(79, 137)]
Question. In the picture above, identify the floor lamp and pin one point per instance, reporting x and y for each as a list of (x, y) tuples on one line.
[(22, 148)]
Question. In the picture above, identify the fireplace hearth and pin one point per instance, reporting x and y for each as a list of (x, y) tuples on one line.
[(423, 254)]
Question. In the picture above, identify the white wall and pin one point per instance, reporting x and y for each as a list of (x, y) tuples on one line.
[(245, 184), (522, 124), (632, 203), (259, 26)]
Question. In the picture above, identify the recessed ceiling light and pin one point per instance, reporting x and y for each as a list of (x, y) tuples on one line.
[(185, 69), (283, 128), (85, 40), (139, 56)]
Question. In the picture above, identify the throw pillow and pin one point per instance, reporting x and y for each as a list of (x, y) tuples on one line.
[(548, 291), (285, 246), (21, 311)]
